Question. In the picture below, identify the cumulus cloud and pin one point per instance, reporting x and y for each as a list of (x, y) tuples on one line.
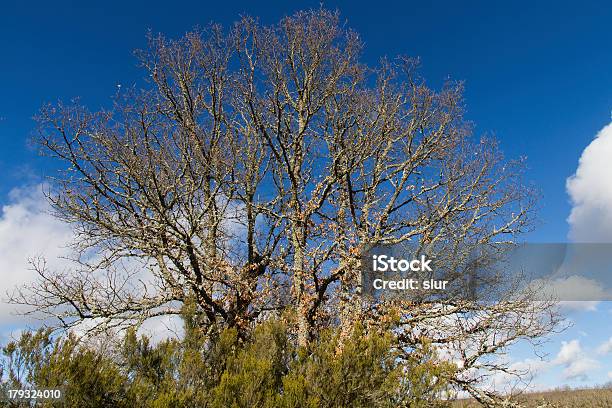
[(569, 352), (606, 347), (163, 327), (572, 362), (580, 369), (574, 292), (590, 191), (576, 287), (532, 367), (577, 364), (578, 305), (27, 229)]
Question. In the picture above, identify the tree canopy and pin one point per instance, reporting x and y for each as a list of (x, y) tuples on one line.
[(251, 171)]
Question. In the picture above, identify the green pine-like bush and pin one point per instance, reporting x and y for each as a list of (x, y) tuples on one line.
[(221, 370)]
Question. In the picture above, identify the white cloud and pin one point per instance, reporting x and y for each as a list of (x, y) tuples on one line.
[(529, 368), (606, 347), (573, 290), (533, 366), (572, 362), (577, 364), (576, 288), (27, 229), (163, 327), (569, 352), (580, 369), (590, 191), (579, 305)]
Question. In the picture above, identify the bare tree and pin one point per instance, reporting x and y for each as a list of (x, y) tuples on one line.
[(252, 171)]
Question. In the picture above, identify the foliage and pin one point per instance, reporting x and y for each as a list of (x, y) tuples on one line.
[(222, 370), (87, 378)]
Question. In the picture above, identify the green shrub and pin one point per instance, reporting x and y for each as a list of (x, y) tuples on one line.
[(221, 370)]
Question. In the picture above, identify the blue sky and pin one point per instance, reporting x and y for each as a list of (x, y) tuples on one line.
[(538, 76)]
